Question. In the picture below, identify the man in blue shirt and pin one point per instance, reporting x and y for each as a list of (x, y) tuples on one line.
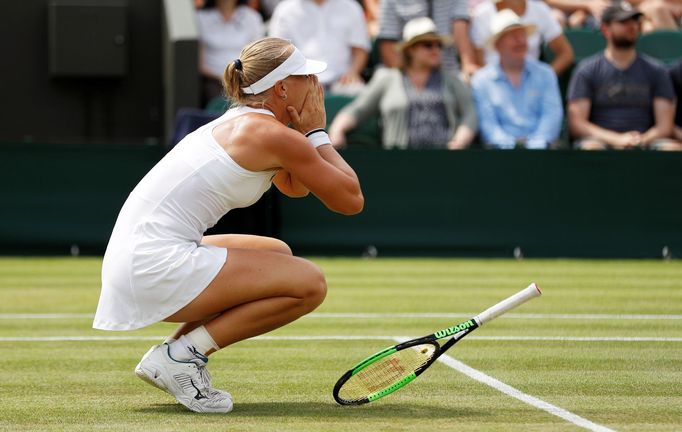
[(517, 98)]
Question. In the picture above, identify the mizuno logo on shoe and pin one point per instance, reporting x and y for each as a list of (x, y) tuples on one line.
[(198, 355), (199, 395)]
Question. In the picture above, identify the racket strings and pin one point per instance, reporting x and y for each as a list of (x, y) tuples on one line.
[(386, 372)]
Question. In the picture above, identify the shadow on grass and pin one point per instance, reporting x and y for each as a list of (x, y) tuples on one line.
[(328, 410)]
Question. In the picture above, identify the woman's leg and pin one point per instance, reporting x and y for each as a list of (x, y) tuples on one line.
[(261, 287), (229, 241)]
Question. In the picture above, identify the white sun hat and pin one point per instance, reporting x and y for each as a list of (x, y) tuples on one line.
[(296, 64), (420, 29), (504, 21)]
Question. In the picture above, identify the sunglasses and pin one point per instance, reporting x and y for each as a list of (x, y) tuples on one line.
[(430, 44)]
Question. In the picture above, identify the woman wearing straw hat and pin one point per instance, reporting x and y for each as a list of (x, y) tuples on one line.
[(420, 105), (225, 288)]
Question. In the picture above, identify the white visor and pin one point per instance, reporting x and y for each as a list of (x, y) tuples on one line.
[(296, 64)]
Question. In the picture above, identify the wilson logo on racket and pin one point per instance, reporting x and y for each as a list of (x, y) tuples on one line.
[(454, 329)]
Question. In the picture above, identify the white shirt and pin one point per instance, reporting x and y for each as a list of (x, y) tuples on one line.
[(222, 41), (537, 13), (324, 32)]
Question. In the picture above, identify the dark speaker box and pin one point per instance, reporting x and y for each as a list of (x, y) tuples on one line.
[(88, 38)]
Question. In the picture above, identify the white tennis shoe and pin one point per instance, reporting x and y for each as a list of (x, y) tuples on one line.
[(188, 381)]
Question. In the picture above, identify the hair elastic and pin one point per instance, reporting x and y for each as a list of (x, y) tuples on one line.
[(237, 64)]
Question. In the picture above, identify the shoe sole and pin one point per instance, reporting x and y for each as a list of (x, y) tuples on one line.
[(195, 406)]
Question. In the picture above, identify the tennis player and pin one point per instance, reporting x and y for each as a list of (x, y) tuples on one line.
[(158, 266)]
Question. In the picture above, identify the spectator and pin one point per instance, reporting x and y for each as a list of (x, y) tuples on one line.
[(334, 31), (371, 8), (532, 12), (660, 14), (517, 97), (474, 3), (267, 7), (420, 106), (676, 76), (578, 13), (223, 31), (451, 18), (620, 99), (657, 14)]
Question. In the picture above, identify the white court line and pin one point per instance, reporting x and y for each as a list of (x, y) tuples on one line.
[(523, 397), (95, 338), (326, 315), (517, 394)]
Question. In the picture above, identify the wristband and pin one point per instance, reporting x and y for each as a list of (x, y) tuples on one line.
[(318, 137)]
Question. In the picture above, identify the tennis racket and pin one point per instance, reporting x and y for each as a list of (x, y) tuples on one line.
[(393, 368)]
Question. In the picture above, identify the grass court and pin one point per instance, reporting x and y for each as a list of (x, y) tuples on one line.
[(600, 350)]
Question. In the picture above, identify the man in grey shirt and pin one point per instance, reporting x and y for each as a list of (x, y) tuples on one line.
[(451, 18), (620, 99)]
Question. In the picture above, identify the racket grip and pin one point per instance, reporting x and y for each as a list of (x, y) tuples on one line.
[(508, 304)]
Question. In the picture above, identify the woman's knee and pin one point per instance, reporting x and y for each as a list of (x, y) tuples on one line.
[(314, 289)]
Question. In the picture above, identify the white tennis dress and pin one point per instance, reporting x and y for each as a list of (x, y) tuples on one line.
[(154, 264)]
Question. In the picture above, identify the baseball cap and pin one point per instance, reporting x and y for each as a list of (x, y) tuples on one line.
[(621, 11)]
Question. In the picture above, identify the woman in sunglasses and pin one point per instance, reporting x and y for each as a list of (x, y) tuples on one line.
[(421, 107)]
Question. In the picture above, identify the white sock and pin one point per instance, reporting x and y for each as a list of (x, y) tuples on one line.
[(201, 339), (198, 341)]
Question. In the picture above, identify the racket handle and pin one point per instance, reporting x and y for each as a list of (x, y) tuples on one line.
[(508, 304)]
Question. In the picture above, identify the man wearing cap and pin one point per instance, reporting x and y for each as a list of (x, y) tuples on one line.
[(451, 18), (620, 99), (517, 98)]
